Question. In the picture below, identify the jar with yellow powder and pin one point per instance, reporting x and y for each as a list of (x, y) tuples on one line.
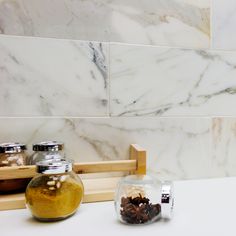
[(56, 192)]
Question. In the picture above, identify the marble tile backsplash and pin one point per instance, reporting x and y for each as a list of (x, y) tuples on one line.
[(77, 91), (171, 89), (163, 81), (158, 22), (223, 145), (43, 77), (175, 145), (223, 24), (178, 23)]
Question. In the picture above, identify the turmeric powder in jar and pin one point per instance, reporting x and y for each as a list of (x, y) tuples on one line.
[(56, 192)]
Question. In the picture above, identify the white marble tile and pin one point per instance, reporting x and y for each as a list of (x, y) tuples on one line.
[(160, 22), (162, 81), (223, 24), (50, 77), (224, 146), (177, 148)]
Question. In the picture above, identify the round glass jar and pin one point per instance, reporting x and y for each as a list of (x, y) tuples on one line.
[(142, 199), (56, 192), (46, 151), (13, 154)]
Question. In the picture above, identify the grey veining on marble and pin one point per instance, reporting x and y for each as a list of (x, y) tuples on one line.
[(223, 24), (51, 77), (177, 148), (162, 81), (158, 22), (223, 145)]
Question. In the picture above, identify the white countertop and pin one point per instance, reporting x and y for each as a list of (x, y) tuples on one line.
[(202, 207)]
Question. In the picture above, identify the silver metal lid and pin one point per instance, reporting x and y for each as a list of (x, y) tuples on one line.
[(48, 146), (167, 200), (56, 166), (12, 147)]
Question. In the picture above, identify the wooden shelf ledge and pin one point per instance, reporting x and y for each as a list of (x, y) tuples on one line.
[(96, 189)]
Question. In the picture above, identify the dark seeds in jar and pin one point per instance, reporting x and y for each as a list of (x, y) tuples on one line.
[(138, 210)]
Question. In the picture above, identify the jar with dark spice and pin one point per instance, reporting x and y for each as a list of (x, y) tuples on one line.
[(13, 154), (56, 192), (142, 199), (47, 150)]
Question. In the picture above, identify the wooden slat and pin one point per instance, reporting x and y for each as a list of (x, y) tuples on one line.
[(81, 168), (17, 172), (139, 154), (17, 201), (104, 166), (12, 201), (99, 196), (96, 190), (102, 184)]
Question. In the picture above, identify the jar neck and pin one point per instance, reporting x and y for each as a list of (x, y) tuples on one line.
[(12, 153), (50, 151), (55, 174)]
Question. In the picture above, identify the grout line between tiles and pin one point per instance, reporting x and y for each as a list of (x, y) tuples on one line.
[(132, 44), (209, 49), (115, 117), (109, 80), (211, 24), (211, 143)]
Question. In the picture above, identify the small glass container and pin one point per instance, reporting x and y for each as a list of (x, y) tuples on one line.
[(46, 151), (13, 154), (56, 192), (142, 199)]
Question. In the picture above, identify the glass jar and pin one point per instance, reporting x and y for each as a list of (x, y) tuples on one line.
[(141, 199), (13, 154), (56, 192), (47, 150)]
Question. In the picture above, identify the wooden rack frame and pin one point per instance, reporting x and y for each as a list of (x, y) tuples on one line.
[(96, 189)]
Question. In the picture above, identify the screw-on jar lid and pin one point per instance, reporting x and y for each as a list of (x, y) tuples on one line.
[(48, 146), (167, 200), (12, 147), (56, 166)]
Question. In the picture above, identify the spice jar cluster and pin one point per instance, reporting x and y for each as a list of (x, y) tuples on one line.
[(56, 192)]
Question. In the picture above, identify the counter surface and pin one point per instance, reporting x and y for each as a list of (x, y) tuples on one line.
[(202, 207)]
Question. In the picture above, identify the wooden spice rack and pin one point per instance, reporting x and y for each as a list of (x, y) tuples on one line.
[(96, 189)]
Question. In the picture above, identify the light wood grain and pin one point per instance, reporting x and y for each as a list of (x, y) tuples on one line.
[(79, 168), (17, 201), (139, 154), (96, 190), (12, 201), (17, 172), (104, 166)]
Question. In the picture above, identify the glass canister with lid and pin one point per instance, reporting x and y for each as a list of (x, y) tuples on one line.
[(142, 199), (56, 192), (13, 154), (47, 150)]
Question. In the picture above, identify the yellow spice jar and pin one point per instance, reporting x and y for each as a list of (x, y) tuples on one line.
[(56, 192)]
